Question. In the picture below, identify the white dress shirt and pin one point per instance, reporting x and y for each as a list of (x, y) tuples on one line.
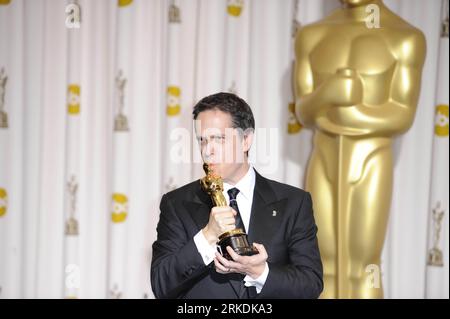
[(246, 186)]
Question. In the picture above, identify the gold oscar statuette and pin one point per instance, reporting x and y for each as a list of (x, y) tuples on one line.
[(237, 239), (3, 114), (357, 83)]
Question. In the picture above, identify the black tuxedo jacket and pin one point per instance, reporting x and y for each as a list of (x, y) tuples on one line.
[(281, 219)]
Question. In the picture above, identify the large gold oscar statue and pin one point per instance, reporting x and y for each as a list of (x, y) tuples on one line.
[(357, 84)]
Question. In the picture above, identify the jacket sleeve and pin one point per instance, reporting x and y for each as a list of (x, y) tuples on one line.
[(302, 277), (176, 262)]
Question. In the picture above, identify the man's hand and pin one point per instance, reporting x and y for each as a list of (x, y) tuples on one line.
[(221, 220), (252, 266)]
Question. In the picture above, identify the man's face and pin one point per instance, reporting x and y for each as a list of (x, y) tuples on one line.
[(222, 146)]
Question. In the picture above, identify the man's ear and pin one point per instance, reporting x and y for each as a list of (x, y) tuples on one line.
[(248, 140)]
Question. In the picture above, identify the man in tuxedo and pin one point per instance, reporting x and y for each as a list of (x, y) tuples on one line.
[(277, 217)]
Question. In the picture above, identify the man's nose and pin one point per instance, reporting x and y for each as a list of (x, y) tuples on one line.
[(208, 150)]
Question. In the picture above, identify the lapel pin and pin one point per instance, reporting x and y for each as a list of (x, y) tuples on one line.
[(274, 213)]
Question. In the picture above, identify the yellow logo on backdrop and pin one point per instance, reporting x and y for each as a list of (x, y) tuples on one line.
[(234, 7), (4, 2), (3, 202), (124, 3), (173, 100), (293, 125), (73, 99), (119, 207), (441, 120)]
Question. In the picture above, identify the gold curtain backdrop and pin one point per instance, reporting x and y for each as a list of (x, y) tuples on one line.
[(95, 126)]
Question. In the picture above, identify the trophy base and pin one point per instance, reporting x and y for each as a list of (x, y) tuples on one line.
[(238, 241)]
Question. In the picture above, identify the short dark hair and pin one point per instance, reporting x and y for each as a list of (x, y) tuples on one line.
[(240, 111)]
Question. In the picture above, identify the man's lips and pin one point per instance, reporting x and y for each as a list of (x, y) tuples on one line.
[(212, 164), (213, 167)]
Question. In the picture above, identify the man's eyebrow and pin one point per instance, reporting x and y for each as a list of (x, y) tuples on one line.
[(212, 135)]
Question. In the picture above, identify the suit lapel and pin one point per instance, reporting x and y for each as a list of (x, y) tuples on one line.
[(267, 212), (263, 222), (199, 207)]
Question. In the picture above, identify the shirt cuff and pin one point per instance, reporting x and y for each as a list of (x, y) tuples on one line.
[(259, 282), (207, 251)]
